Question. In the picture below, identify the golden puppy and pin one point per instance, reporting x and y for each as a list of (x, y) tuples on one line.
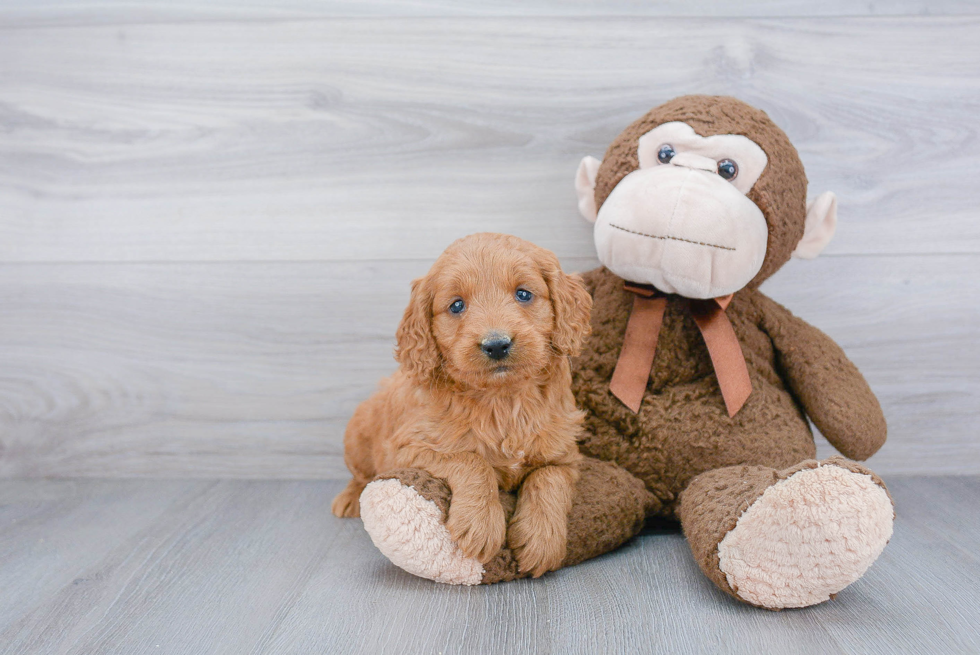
[(483, 397)]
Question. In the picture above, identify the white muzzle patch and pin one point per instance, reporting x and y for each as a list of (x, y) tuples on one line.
[(683, 230)]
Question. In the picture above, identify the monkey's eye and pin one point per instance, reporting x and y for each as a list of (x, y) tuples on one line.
[(728, 169), (666, 153), (523, 295), (457, 307)]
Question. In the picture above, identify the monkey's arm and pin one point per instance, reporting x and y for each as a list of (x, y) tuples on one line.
[(833, 392)]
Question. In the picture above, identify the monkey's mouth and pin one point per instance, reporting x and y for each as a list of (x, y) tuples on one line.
[(670, 238)]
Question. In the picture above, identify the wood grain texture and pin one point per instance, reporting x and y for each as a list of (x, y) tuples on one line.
[(262, 567), (51, 532), (210, 211), (253, 369), (17, 13), (353, 139)]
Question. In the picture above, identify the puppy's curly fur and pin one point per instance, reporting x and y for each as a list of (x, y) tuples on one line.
[(484, 423)]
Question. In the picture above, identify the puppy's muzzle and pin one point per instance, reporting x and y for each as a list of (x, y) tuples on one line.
[(496, 347)]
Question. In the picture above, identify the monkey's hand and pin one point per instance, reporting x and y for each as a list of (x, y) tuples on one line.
[(832, 390)]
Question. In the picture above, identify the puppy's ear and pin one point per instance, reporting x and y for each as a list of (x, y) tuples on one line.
[(573, 308), (416, 350)]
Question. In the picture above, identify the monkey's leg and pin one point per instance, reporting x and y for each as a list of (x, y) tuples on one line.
[(404, 512), (790, 538)]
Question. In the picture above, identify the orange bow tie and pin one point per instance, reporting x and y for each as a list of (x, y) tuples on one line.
[(629, 380)]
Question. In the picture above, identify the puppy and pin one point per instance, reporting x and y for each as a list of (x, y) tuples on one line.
[(482, 398)]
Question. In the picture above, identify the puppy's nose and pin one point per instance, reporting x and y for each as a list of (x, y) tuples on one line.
[(496, 347)]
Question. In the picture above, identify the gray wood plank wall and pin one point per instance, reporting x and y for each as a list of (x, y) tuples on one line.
[(76, 12), (210, 212)]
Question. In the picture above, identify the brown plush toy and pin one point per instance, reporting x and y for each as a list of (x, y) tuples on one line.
[(697, 387)]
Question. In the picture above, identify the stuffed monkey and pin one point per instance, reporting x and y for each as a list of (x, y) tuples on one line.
[(697, 387)]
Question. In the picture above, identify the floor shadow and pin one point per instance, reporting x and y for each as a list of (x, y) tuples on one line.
[(658, 525)]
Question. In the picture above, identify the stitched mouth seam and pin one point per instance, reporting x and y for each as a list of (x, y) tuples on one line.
[(654, 236)]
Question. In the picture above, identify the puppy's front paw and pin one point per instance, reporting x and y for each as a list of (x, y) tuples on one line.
[(537, 546), (478, 529)]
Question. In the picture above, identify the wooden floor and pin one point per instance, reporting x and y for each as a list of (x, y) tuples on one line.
[(241, 567)]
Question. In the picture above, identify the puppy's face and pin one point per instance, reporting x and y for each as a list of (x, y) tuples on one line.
[(491, 315), (498, 308)]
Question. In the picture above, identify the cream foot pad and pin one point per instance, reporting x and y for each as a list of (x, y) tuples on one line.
[(409, 531), (807, 537)]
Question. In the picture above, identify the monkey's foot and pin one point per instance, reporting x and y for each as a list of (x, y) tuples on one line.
[(791, 538), (405, 513)]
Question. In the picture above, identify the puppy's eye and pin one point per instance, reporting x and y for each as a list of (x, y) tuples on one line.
[(457, 307), (523, 295), (666, 153)]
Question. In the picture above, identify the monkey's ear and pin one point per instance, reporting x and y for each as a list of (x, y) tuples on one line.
[(585, 186), (818, 230)]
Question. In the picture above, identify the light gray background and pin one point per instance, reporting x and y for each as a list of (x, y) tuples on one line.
[(210, 213)]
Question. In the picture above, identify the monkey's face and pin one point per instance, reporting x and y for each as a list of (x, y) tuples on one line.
[(702, 196), (682, 221)]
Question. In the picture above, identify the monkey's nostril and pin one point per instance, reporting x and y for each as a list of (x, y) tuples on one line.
[(496, 348)]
